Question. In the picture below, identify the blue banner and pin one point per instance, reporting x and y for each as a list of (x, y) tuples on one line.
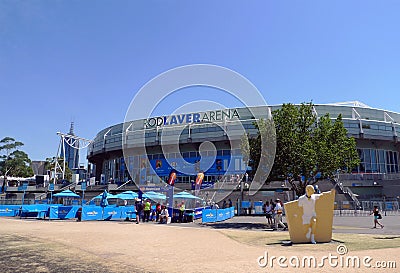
[(9, 210), (107, 213), (92, 213), (217, 215), (111, 212), (220, 215), (39, 210), (209, 216), (198, 213), (203, 185), (128, 211), (63, 212), (258, 207), (246, 204)]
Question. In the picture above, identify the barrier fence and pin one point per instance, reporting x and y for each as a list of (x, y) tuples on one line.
[(86, 212), (56, 211), (349, 208), (217, 215)]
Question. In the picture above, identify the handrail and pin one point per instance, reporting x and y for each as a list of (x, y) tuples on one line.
[(352, 196), (64, 188), (127, 182), (346, 190)]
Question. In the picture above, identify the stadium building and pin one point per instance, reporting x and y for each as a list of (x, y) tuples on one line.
[(376, 132)]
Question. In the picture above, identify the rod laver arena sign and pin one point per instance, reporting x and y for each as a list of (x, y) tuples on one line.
[(210, 116)]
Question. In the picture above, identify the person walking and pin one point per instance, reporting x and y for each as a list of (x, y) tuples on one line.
[(268, 213), (273, 212), (377, 216), (278, 214)]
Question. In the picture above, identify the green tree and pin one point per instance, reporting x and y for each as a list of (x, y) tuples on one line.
[(260, 159), (307, 147), (14, 162)]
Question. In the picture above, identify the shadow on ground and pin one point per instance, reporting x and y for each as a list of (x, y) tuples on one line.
[(244, 226)]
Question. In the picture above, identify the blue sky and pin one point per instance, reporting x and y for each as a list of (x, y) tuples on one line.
[(85, 60)]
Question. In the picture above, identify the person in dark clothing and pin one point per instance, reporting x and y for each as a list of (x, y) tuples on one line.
[(139, 209), (158, 211), (377, 216)]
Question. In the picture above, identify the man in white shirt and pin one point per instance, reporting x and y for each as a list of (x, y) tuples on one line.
[(278, 214)]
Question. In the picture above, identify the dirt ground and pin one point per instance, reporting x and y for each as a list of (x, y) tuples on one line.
[(30, 245)]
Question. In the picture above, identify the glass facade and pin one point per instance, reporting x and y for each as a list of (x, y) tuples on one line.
[(158, 166), (378, 161)]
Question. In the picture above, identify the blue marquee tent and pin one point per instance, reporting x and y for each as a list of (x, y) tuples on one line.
[(126, 195), (67, 193), (185, 195)]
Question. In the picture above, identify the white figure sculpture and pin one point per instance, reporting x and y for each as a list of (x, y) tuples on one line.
[(307, 201)]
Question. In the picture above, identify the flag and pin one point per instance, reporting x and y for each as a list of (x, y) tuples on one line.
[(172, 177), (199, 181), (199, 178)]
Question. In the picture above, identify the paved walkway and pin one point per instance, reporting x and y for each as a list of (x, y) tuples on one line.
[(341, 224)]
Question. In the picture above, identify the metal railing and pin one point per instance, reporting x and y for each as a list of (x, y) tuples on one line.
[(346, 190), (4, 201), (39, 197), (350, 208), (369, 176), (352, 196)]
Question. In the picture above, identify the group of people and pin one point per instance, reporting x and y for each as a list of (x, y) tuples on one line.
[(274, 212), (143, 211), (227, 204)]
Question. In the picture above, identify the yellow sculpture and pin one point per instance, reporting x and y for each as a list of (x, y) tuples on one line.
[(310, 218)]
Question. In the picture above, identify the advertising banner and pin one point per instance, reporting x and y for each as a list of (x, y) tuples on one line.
[(92, 213), (128, 211), (9, 210), (246, 204), (220, 215), (217, 215), (34, 210), (209, 216), (198, 213), (258, 207), (63, 212), (111, 213)]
